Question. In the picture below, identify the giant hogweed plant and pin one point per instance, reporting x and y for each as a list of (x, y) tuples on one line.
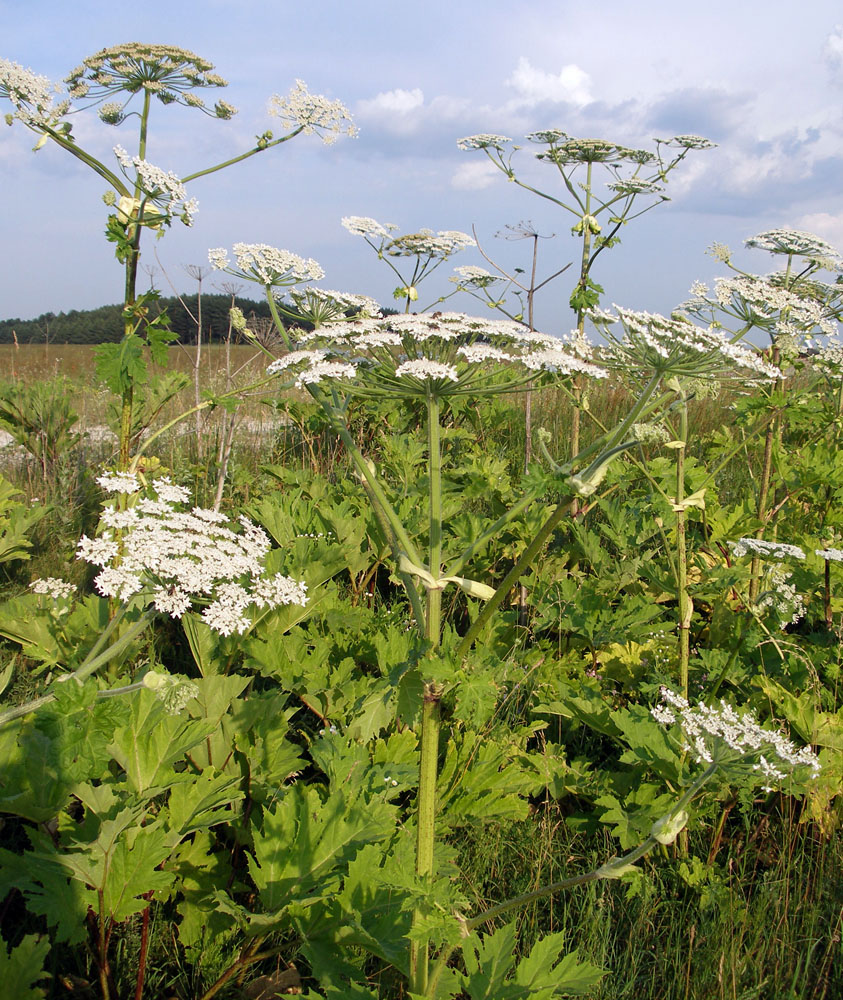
[(793, 308), (123, 83), (431, 360), (358, 861), (635, 181)]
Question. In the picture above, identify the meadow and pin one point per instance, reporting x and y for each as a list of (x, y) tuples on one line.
[(422, 655)]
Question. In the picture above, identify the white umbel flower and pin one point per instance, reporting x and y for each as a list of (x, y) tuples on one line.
[(734, 739), (176, 559)]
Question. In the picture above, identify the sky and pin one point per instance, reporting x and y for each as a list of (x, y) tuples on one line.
[(764, 80)]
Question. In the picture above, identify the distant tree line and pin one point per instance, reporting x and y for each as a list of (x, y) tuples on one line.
[(105, 324)]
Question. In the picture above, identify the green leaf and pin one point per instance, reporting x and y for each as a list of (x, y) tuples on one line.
[(542, 970), (32, 783), (120, 365), (63, 902), (200, 803), (541, 975), (153, 741), (23, 966), (201, 868), (488, 962), (134, 870), (305, 840)]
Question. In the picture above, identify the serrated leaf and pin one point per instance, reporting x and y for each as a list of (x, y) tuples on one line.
[(305, 840), (200, 803), (543, 974), (133, 871), (32, 784), (153, 741), (23, 966), (488, 962)]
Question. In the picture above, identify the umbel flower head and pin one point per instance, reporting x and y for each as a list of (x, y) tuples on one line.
[(174, 558), (563, 149), (674, 347), (776, 594), (266, 265), (796, 243), (162, 188), (321, 306), (735, 741), (440, 354), (301, 111), (169, 73), (33, 97), (791, 305), (424, 243)]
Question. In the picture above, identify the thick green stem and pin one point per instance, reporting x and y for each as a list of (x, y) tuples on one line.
[(429, 750), (276, 318), (130, 294), (434, 566), (761, 508), (426, 825), (686, 606)]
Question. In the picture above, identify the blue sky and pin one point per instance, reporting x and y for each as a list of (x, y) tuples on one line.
[(762, 79)]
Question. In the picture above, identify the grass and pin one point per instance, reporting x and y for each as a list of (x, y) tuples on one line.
[(763, 922)]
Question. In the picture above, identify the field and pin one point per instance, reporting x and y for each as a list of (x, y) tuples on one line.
[(551, 766)]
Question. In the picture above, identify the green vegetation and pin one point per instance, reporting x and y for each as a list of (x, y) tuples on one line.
[(105, 324)]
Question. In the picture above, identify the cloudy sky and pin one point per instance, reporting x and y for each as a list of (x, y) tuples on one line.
[(764, 80)]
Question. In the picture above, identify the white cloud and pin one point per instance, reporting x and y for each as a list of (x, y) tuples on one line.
[(833, 50), (824, 224), (474, 176), (397, 111), (571, 85)]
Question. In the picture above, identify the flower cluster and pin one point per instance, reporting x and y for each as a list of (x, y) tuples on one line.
[(172, 690), (444, 353), (728, 738), (321, 306), (32, 96), (54, 587), (424, 243), (175, 557), (484, 140), (162, 187), (829, 359), (301, 111), (363, 225), (637, 185), (792, 306), (776, 593), (761, 547), (832, 555), (687, 142), (168, 72), (779, 596), (765, 300), (565, 150), (675, 346), (796, 243), (472, 276), (266, 265)]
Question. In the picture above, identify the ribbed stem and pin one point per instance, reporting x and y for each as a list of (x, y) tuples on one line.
[(431, 712)]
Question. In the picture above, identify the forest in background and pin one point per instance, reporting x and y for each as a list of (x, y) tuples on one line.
[(104, 324)]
